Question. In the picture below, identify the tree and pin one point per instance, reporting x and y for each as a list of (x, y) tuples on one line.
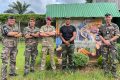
[(9, 11), (18, 7), (89, 1)]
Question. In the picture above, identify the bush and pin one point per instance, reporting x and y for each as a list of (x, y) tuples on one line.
[(21, 17), (80, 59), (99, 60), (48, 64)]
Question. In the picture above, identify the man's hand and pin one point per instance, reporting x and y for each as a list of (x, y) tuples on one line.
[(47, 33), (50, 33), (12, 33), (107, 42), (18, 35), (32, 34), (67, 43), (28, 36), (44, 34), (35, 34)]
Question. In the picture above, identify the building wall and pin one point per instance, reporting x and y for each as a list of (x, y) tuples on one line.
[(115, 1)]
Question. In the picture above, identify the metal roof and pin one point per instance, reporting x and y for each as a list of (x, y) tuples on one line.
[(82, 10)]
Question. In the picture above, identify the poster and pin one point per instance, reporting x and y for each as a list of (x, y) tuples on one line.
[(87, 29)]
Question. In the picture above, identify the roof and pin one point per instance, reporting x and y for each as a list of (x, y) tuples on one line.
[(82, 10)]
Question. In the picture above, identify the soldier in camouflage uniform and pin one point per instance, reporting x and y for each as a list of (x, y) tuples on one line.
[(109, 33), (10, 34), (67, 34), (31, 34), (47, 32)]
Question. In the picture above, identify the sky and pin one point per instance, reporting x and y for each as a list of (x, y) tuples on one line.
[(38, 6)]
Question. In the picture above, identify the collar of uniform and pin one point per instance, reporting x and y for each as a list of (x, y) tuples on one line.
[(9, 25), (109, 24), (48, 26), (31, 27)]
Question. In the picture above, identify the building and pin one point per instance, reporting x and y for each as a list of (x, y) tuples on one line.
[(85, 17)]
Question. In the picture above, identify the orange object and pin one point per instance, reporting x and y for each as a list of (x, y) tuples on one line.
[(57, 28), (84, 51)]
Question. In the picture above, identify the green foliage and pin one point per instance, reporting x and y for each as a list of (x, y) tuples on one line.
[(20, 17), (80, 59), (99, 60), (48, 64)]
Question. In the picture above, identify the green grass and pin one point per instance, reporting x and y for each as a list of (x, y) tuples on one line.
[(84, 74)]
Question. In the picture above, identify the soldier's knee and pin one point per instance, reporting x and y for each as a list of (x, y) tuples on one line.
[(27, 53), (36, 52), (27, 58), (15, 51), (44, 50), (4, 61), (104, 59), (4, 57)]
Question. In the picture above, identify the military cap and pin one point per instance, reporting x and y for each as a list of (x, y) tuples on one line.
[(11, 17), (107, 14), (49, 18)]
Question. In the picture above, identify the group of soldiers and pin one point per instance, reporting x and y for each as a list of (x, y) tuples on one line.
[(108, 33), (11, 33)]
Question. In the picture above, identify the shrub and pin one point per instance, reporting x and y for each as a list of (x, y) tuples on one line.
[(99, 60), (19, 17), (80, 59)]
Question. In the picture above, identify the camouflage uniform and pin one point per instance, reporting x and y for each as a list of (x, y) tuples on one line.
[(47, 46), (9, 50), (109, 53), (67, 54), (31, 49)]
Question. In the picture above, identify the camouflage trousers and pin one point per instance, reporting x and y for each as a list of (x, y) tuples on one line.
[(30, 57), (67, 54), (109, 55), (6, 54), (45, 50)]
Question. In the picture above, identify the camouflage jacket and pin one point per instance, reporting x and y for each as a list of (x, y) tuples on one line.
[(9, 41), (47, 41), (108, 32), (31, 41)]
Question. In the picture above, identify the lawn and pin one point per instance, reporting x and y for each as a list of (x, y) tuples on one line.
[(92, 73)]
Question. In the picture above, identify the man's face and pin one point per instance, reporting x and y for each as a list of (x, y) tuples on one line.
[(108, 19), (48, 22), (67, 22), (11, 22), (32, 23)]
